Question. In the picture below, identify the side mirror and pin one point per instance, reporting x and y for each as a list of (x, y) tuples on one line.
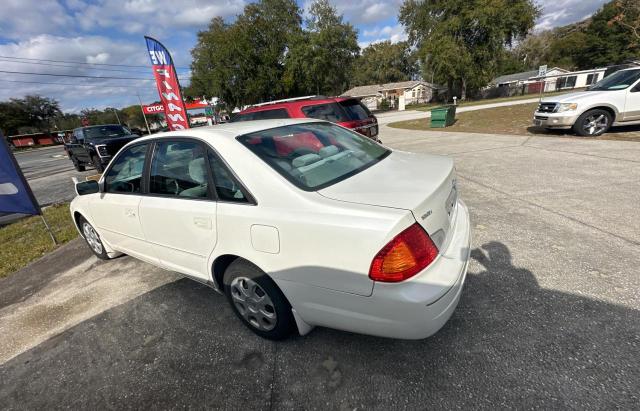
[(87, 187)]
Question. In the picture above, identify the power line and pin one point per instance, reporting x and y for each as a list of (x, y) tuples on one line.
[(6, 60), (76, 75), (2, 60), (69, 84), (82, 62)]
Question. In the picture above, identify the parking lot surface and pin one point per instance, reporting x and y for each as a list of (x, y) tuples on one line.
[(49, 173), (549, 317)]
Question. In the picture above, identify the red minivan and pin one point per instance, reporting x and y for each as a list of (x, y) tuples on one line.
[(345, 111)]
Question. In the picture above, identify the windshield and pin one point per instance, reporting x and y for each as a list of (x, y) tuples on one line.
[(99, 132), (314, 155), (617, 81)]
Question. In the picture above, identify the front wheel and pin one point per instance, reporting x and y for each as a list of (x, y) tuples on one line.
[(93, 239), (77, 165), (97, 164), (593, 123), (258, 301)]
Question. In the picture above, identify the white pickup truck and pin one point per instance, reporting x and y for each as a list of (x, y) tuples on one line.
[(613, 101)]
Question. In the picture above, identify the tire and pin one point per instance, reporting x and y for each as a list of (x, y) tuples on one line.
[(258, 301), (77, 165), (92, 238), (593, 123), (97, 164)]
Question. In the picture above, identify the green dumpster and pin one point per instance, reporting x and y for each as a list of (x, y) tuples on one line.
[(443, 116)]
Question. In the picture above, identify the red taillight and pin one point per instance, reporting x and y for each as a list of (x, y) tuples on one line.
[(406, 255)]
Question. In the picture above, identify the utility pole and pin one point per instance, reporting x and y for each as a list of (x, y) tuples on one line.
[(143, 115), (116, 111)]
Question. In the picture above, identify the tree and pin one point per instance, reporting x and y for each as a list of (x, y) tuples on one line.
[(12, 117), (459, 40), (320, 59), (628, 16), (608, 43), (243, 62), (31, 113), (385, 62), (39, 110)]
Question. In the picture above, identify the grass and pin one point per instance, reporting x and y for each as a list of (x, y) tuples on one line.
[(510, 120), (26, 240), (429, 106)]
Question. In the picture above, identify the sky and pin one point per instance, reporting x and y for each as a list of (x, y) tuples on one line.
[(105, 38)]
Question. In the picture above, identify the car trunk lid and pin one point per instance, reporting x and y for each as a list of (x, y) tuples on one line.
[(422, 184)]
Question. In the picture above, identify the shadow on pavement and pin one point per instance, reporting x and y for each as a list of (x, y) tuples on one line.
[(509, 344), (625, 133)]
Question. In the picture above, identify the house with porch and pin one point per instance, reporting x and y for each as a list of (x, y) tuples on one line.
[(398, 94)]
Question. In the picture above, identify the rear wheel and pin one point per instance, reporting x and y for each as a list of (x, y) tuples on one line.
[(93, 239), (593, 123), (258, 301), (97, 164)]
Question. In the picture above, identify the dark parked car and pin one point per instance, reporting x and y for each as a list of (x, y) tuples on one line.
[(96, 145)]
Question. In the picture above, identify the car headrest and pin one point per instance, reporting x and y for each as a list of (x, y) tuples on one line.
[(197, 171), (328, 151), (305, 160)]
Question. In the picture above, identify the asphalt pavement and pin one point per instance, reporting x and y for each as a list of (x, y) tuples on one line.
[(549, 317), (48, 171)]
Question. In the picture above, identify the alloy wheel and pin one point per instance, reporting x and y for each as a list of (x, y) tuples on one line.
[(92, 238), (595, 124)]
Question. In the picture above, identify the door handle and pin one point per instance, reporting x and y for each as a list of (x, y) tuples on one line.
[(129, 212), (202, 222)]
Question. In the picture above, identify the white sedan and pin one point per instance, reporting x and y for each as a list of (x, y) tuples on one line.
[(300, 223)]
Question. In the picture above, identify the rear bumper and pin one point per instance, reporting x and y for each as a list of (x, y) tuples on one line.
[(414, 309), (554, 120)]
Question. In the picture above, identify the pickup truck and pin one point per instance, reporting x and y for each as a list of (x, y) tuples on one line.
[(613, 101), (96, 145)]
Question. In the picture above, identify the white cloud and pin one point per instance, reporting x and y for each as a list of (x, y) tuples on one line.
[(393, 33), (562, 12), (154, 16), (77, 92), (20, 18), (364, 11)]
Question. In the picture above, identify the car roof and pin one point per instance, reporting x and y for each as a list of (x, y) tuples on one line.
[(311, 101), (230, 130)]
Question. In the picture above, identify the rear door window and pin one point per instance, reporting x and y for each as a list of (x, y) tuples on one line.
[(329, 112), (355, 110), (228, 188)]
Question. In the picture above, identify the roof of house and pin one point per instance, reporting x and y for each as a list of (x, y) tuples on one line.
[(374, 89), (511, 78)]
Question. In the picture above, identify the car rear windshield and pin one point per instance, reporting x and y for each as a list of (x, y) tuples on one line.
[(355, 110), (99, 132), (326, 111), (617, 81), (314, 155)]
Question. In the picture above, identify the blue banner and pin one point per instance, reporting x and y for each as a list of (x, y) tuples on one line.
[(15, 193)]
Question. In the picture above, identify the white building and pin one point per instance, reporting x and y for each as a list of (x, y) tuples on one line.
[(555, 78), (400, 93), (560, 79)]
